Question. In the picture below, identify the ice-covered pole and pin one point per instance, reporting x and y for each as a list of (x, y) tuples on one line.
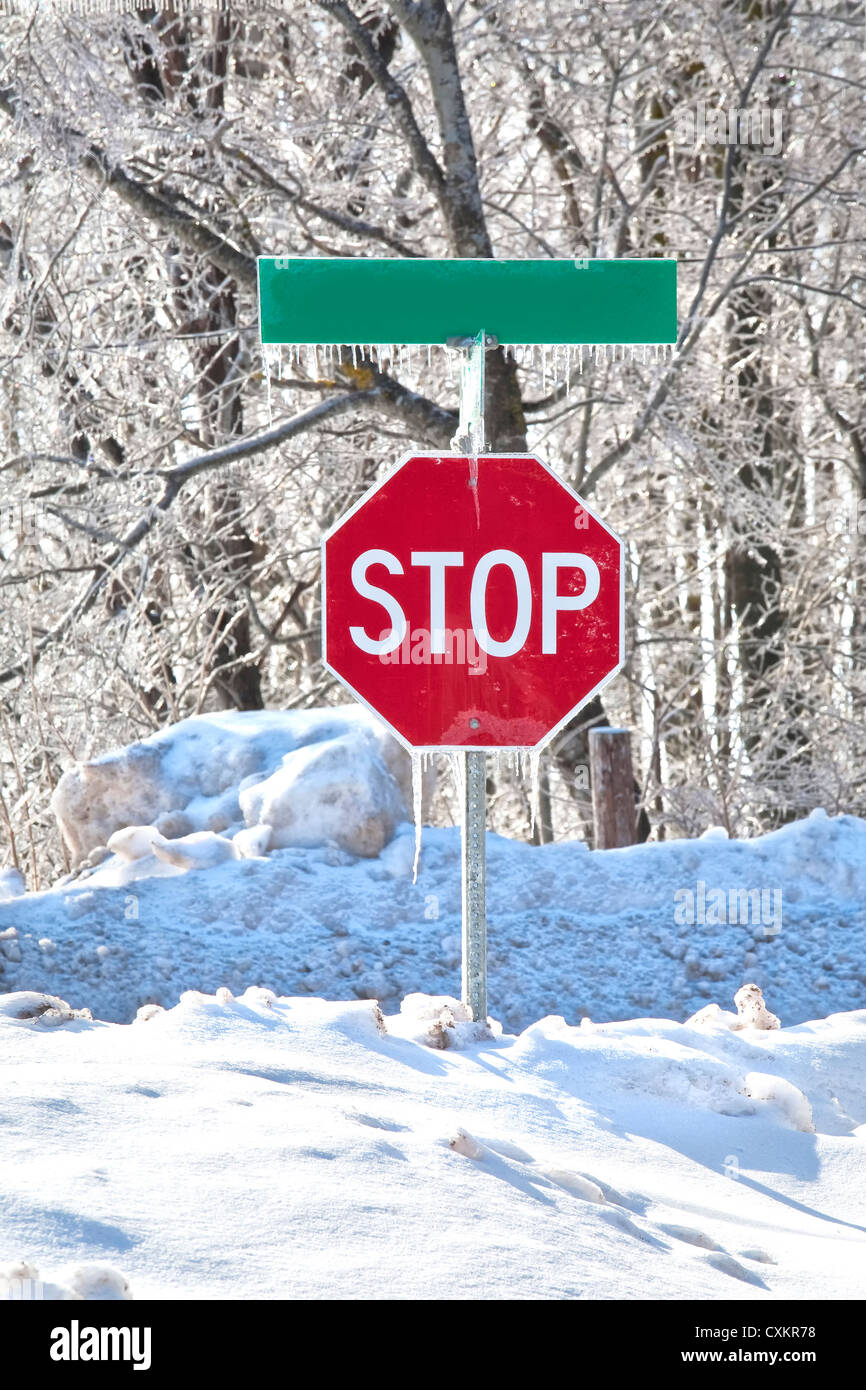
[(470, 440)]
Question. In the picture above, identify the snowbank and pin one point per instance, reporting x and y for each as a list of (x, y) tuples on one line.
[(310, 776), (609, 934), (262, 1147)]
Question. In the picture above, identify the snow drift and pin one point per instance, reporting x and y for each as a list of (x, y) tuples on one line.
[(266, 1147)]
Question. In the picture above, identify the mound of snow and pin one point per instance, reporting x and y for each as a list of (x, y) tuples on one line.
[(337, 790), (311, 775), (12, 884), (22, 1281), (600, 1162), (28, 1006), (439, 1021), (776, 1091), (570, 931)]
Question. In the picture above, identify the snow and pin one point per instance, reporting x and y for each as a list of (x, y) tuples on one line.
[(264, 1147), (236, 1067), (311, 775), (570, 931)]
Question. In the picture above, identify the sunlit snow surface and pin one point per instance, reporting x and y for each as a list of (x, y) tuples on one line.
[(265, 1148), (293, 1144), (570, 931)]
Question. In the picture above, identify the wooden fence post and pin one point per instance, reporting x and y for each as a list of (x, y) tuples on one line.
[(612, 781)]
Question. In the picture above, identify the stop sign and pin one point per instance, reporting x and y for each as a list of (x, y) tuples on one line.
[(472, 603)]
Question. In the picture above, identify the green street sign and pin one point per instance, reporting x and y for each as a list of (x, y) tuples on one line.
[(325, 299)]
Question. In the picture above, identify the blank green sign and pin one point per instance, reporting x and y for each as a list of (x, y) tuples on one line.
[(336, 300)]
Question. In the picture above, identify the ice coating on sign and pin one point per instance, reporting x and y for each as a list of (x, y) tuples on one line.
[(418, 765), (534, 779)]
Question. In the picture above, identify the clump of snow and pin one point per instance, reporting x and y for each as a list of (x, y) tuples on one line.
[(147, 1012), (12, 884), (781, 1093), (462, 1142), (752, 1010), (712, 1016), (253, 842), (22, 1281), (310, 775), (134, 841), (338, 790), (99, 1281), (203, 849), (439, 1021), (29, 1006), (720, 1260), (575, 1183)]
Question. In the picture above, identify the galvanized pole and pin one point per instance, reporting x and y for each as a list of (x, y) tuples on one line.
[(470, 440)]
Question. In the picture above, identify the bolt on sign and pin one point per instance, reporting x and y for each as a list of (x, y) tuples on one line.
[(473, 603)]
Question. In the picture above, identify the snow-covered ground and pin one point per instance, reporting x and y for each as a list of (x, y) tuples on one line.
[(293, 1144), (264, 1148), (570, 931)]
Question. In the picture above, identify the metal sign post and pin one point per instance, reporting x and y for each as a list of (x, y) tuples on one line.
[(473, 825)]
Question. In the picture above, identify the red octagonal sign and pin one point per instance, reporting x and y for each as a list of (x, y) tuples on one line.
[(472, 603)]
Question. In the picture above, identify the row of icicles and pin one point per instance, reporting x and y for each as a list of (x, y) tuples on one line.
[(523, 762), (561, 362)]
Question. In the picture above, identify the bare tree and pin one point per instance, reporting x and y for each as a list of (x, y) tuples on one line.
[(164, 487)]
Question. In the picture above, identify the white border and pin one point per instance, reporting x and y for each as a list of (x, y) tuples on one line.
[(472, 747)]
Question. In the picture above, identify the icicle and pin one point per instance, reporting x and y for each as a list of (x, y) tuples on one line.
[(534, 787), (429, 354), (417, 794), (473, 483), (458, 770)]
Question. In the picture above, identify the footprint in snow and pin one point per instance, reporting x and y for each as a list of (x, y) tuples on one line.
[(577, 1184), (760, 1256), (391, 1151), (630, 1228), (690, 1236), (574, 1183), (376, 1122), (726, 1264), (632, 1201)]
